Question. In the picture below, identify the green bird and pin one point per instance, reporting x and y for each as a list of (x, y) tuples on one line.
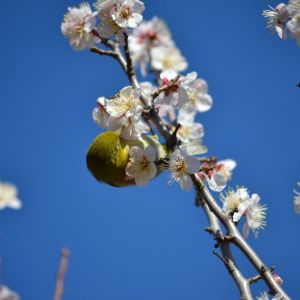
[(108, 156)]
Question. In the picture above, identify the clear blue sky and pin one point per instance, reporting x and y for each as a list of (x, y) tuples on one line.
[(139, 243)]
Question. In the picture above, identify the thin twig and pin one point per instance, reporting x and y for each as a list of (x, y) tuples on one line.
[(165, 87), (63, 266), (130, 70), (259, 277), (103, 52)]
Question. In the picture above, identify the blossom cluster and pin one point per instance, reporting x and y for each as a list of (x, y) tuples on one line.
[(284, 19), (176, 98), (85, 27), (239, 203)]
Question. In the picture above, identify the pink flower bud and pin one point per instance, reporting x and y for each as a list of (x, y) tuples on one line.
[(278, 279)]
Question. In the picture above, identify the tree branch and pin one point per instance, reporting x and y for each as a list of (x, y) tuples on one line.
[(259, 277), (212, 209), (238, 240), (226, 257), (61, 274)]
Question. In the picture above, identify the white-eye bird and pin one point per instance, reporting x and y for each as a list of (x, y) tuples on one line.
[(108, 156)]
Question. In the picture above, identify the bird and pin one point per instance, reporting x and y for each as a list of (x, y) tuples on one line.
[(108, 155)]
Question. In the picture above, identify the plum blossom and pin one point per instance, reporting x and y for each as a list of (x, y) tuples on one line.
[(166, 58), (194, 148), (141, 165), (126, 104), (100, 114), (215, 180), (189, 130), (198, 97), (218, 174), (225, 167), (293, 8), (297, 200), (7, 294), (276, 18), (147, 35), (293, 25), (188, 92), (255, 216), (181, 166), (9, 196), (147, 89), (294, 28), (125, 111), (78, 26), (108, 26), (235, 203), (128, 13), (264, 296), (169, 96), (132, 130), (118, 15)]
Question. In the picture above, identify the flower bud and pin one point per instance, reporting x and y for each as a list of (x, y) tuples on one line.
[(278, 279)]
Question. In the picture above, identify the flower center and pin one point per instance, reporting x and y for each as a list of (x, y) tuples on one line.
[(126, 12), (144, 163), (179, 167)]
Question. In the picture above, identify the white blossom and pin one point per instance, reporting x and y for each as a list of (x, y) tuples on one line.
[(125, 111), (170, 96), (255, 216), (141, 165), (222, 173), (7, 294), (108, 26), (128, 13), (198, 97), (276, 18), (294, 28), (132, 129), (181, 166), (293, 8), (218, 177), (216, 181), (297, 200), (187, 93), (126, 104), (264, 296), (147, 35), (78, 25), (9, 196), (165, 58), (225, 167), (147, 89), (118, 15), (189, 130), (100, 114), (235, 203), (194, 148)]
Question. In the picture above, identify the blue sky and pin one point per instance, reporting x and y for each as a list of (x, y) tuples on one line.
[(137, 243)]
